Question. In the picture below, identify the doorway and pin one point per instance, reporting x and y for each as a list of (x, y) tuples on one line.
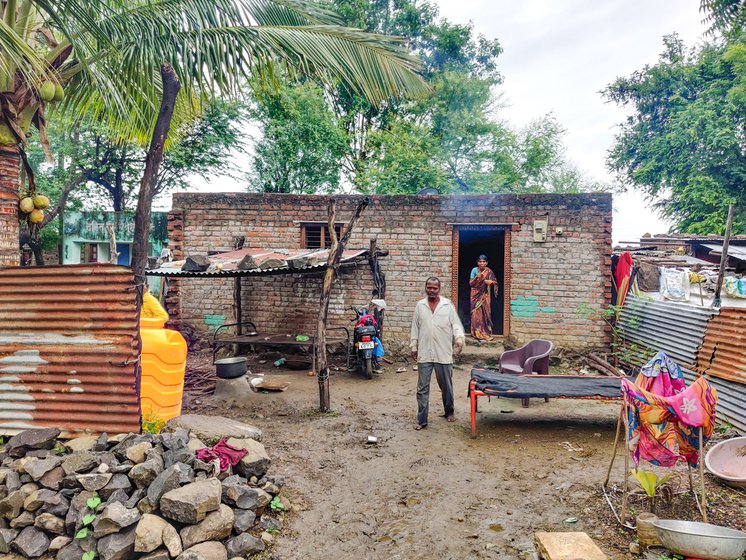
[(469, 243)]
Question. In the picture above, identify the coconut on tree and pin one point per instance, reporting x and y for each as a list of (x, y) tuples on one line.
[(102, 59)]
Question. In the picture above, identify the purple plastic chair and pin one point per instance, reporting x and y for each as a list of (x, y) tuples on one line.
[(530, 358)]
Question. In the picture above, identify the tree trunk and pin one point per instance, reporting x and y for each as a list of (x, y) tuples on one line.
[(335, 255), (153, 161), (10, 181)]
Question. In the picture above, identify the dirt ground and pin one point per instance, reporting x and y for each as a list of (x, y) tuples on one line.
[(437, 493)]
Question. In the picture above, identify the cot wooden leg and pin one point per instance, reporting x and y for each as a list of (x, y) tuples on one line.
[(473, 414), (524, 403)]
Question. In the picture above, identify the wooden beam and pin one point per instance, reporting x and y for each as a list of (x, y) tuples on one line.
[(335, 255)]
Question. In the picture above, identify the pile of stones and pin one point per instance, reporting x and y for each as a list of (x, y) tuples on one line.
[(135, 496)]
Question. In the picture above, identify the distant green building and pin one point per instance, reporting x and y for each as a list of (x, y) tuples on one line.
[(85, 237)]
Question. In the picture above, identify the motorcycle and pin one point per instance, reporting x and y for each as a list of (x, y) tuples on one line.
[(365, 338)]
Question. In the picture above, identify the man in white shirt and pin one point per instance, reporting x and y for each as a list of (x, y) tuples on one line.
[(436, 333)]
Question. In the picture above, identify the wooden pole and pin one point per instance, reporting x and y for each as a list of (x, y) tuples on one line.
[(237, 304), (625, 488), (700, 460), (616, 444), (716, 302), (335, 255)]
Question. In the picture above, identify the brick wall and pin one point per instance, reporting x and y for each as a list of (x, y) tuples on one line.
[(554, 278), (9, 182)]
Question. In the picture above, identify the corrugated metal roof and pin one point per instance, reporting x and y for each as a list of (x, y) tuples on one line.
[(723, 352), (676, 329), (688, 334), (68, 349), (226, 264), (735, 251)]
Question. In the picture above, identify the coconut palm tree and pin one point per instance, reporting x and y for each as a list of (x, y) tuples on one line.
[(101, 59)]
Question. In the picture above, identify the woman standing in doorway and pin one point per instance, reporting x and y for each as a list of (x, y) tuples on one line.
[(481, 280)]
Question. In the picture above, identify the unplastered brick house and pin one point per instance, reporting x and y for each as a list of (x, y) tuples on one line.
[(550, 253)]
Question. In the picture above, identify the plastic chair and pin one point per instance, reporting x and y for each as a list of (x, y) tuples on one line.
[(530, 358)]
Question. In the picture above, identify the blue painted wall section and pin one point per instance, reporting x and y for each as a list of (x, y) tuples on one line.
[(528, 306)]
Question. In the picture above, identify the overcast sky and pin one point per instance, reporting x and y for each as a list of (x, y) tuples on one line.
[(558, 55)]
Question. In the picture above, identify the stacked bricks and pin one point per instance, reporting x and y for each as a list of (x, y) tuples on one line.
[(9, 226), (555, 277)]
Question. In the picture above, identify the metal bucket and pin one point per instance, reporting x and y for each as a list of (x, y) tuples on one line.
[(230, 368)]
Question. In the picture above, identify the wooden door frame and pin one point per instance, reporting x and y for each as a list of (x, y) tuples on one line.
[(507, 269)]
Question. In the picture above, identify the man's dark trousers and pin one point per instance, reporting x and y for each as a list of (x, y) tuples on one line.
[(444, 376)]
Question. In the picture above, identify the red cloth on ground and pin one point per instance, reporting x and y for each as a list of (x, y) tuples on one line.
[(228, 455)]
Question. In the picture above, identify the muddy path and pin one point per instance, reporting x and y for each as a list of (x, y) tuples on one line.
[(435, 493)]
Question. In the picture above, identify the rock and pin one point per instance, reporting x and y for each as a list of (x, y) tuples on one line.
[(50, 523), (172, 540), (101, 442), (53, 479), (118, 496), (7, 535), (191, 503), (144, 473), (216, 526), (84, 443), (13, 481), (256, 462), (56, 505), (26, 519), (567, 546), (263, 500), (77, 510), (37, 468), (118, 482), (196, 263), (28, 489), (113, 518), (73, 551), (267, 538), (11, 506), (160, 554), (31, 542), (94, 482), (58, 543), (191, 555), (43, 438), (243, 520), (118, 546), (211, 429), (243, 545), (79, 462), (120, 449), (211, 550), (178, 455), (271, 524), (136, 496), (243, 497), (194, 444), (38, 498), (136, 453), (173, 477), (178, 437), (146, 506), (149, 533)]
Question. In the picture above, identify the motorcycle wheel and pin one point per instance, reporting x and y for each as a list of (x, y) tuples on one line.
[(368, 368)]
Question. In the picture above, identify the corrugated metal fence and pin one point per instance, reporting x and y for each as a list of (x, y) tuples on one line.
[(688, 334), (68, 353)]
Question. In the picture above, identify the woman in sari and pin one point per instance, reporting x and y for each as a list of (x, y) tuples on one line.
[(481, 280)]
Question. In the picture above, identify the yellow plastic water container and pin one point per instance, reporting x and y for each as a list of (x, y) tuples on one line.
[(163, 362)]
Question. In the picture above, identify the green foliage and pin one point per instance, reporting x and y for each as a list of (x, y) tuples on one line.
[(448, 140), (684, 142), (276, 504), (152, 423), (85, 533), (726, 16), (302, 144), (651, 484)]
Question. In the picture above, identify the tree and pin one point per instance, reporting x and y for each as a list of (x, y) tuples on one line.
[(451, 139), (107, 58), (724, 15), (684, 144), (301, 145)]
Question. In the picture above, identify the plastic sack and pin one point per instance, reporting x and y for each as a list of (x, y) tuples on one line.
[(675, 284)]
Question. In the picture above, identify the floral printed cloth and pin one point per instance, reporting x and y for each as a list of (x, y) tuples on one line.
[(664, 416)]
